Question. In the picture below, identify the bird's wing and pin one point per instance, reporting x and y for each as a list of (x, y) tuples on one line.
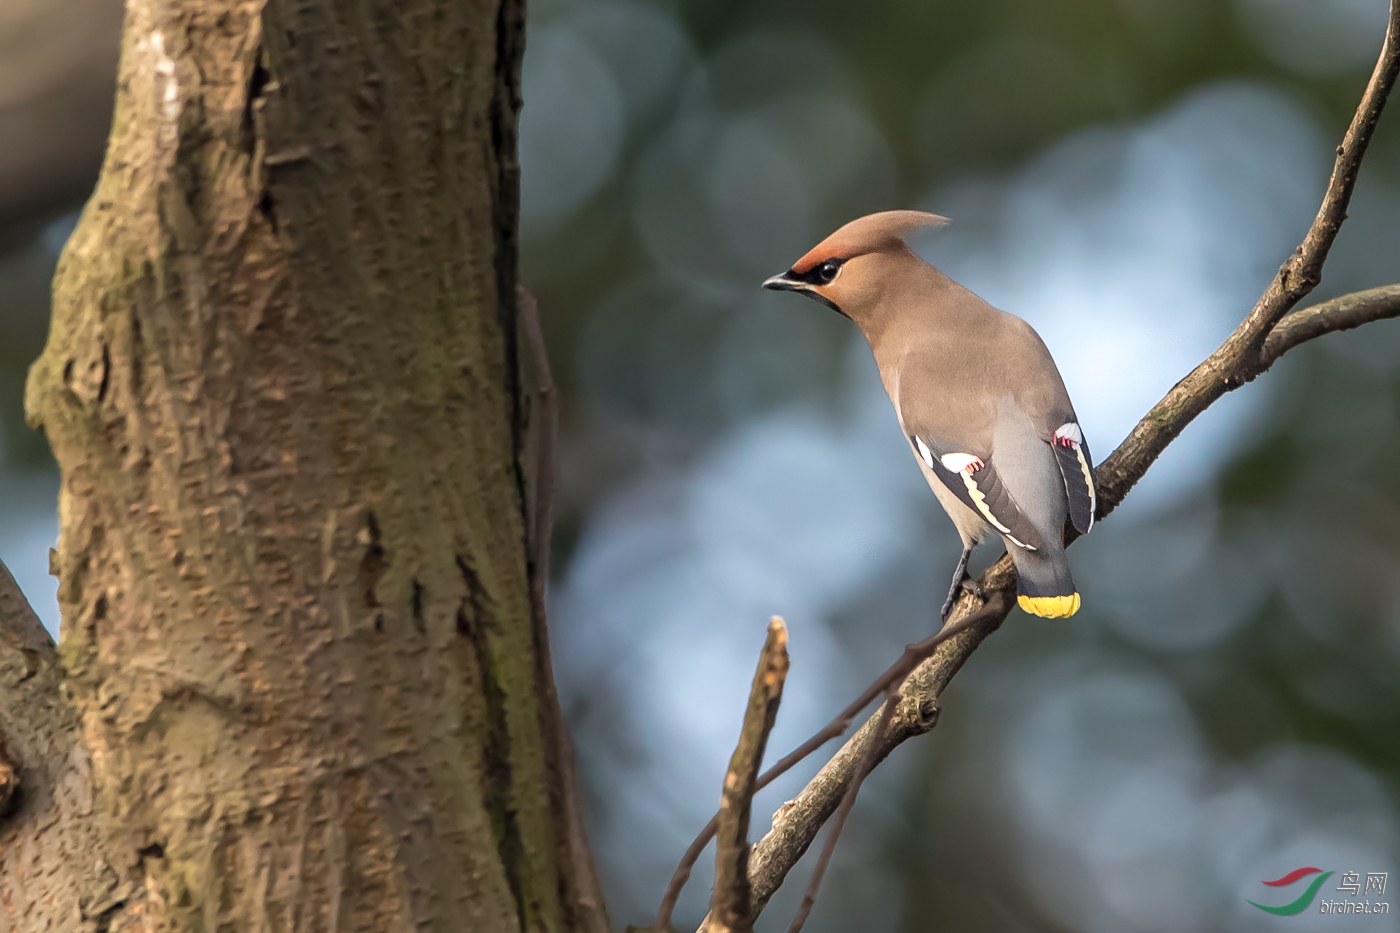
[(1077, 468), (1041, 393), (975, 481)]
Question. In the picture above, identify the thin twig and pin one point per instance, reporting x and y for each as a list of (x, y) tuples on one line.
[(1343, 313), (544, 425), (542, 414), (730, 903), (797, 823), (848, 801), (894, 675), (1241, 358)]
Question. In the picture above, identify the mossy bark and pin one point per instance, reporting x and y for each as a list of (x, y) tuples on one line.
[(281, 386)]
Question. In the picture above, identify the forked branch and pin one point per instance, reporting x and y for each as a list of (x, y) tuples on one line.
[(731, 904), (1241, 358), (911, 719)]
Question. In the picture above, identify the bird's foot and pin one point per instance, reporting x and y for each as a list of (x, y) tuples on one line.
[(967, 585)]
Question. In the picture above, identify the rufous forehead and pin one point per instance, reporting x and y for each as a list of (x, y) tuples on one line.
[(869, 234), (815, 257)]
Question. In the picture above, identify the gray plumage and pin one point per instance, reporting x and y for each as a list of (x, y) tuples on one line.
[(976, 392)]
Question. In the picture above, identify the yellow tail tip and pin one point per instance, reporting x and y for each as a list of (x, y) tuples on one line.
[(1050, 607)]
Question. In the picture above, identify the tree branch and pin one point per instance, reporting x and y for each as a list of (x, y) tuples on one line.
[(922, 673), (24, 647), (1240, 358), (848, 801), (542, 415), (32, 716), (730, 903), (1343, 313), (42, 883), (1243, 356), (916, 719), (541, 411)]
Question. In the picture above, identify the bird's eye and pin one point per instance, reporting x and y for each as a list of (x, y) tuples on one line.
[(826, 272)]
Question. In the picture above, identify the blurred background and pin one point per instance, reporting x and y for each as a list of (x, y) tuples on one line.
[(1126, 175)]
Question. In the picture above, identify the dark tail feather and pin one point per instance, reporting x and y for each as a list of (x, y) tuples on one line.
[(1047, 589)]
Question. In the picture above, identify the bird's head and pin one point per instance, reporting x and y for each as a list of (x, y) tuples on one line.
[(848, 270)]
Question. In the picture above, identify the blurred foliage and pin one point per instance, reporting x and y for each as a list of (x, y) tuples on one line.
[(1235, 666)]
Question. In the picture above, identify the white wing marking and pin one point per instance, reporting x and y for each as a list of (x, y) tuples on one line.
[(981, 501), (958, 463), (924, 452), (1069, 432)]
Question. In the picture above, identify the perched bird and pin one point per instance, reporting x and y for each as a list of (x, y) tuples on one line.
[(977, 394)]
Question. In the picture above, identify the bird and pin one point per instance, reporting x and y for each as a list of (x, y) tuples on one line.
[(977, 394)]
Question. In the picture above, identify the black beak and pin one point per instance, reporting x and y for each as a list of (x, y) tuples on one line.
[(783, 283)]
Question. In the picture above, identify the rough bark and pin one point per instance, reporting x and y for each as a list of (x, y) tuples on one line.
[(57, 871), (281, 386)]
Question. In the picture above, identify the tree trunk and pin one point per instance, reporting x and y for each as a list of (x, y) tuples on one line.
[(281, 386)]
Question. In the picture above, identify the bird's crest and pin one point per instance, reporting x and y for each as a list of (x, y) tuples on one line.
[(868, 234)]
